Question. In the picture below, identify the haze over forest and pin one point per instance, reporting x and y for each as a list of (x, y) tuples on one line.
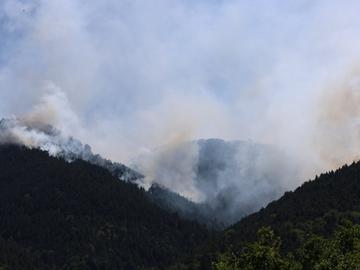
[(179, 134), (132, 77)]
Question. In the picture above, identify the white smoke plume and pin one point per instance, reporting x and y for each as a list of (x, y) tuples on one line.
[(46, 138), (36, 130), (129, 76), (174, 167)]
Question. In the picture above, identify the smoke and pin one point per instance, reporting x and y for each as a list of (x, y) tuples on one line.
[(129, 76), (35, 128), (172, 166), (46, 138), (230, 179), (338, 121), (54, 109)]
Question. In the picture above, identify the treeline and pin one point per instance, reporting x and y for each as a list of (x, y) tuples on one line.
[(60, 215), (319, 208), (339, 252)]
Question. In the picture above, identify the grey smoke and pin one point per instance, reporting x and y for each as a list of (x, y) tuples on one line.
[(138, 74), (228, 178), (128, 76)]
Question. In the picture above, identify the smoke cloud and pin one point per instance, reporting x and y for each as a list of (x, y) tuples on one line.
[(129, 76)]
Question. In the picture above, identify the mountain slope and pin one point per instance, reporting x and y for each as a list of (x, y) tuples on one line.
[(309, 221), (173, 202), (316, 207), (48, 138), (230, 179), (60, 215)]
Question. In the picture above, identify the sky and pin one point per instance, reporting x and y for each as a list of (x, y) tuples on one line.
[(128, 76)]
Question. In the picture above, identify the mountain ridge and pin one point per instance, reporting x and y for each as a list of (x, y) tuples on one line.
[(317, 211), (232, 178), (60, 215)]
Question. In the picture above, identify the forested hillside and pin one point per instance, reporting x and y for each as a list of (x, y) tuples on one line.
[(60, 215), (317, 206), (313, 227), (227, 180), (189, 210)]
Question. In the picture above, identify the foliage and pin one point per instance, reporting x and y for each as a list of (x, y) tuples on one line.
[(60, 215), (262, 254), (341, 252), (304, 219), (186, 209)]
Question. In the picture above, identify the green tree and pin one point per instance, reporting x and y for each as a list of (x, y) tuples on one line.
[(227, 261), (342, 252), (263, 254)]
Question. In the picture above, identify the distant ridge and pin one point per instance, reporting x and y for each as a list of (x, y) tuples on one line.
[(233, 178)]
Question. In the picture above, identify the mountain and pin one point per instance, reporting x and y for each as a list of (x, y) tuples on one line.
[(187, 209), (316, 226), (220, 181), (56, 214), (317, 206), (62, 207), (240, 177), (225, 180)]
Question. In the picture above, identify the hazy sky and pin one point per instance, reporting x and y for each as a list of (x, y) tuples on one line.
[(126, 76)]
